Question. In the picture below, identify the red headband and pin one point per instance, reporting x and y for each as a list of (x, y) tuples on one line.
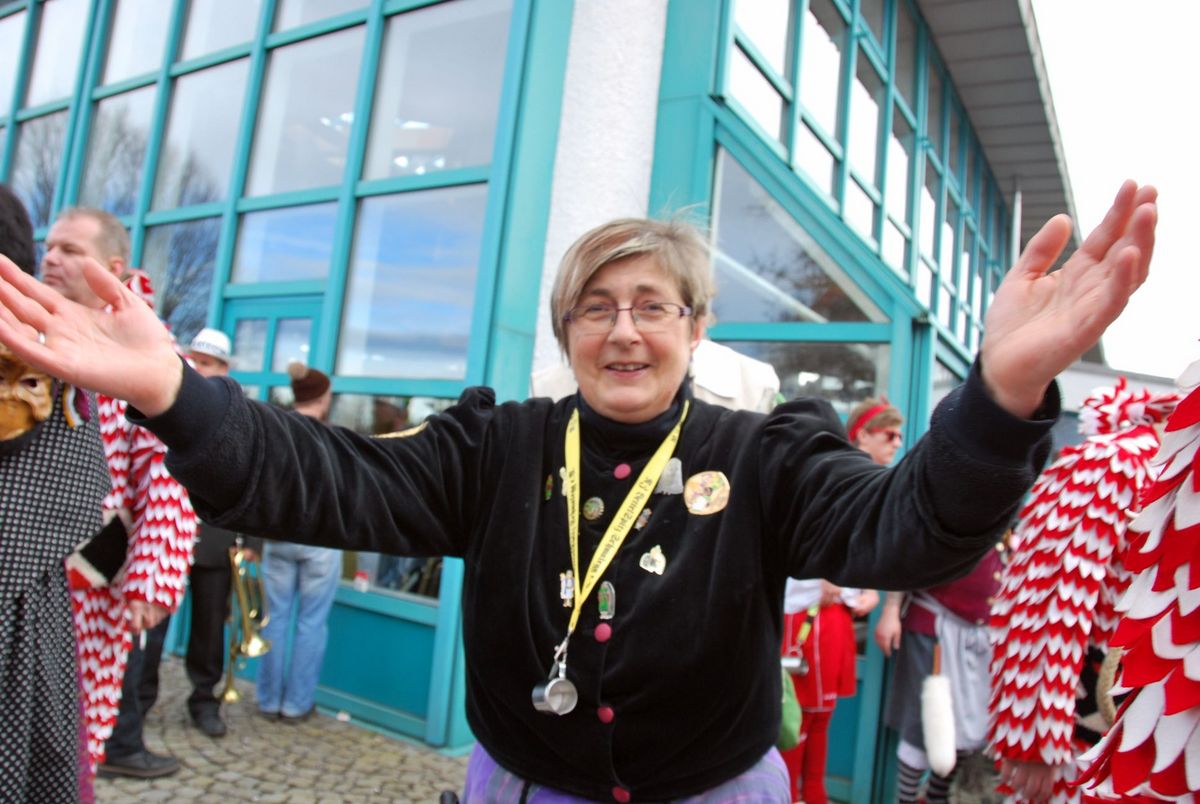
[(866, 417)]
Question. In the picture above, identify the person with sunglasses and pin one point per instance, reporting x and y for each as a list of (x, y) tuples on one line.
[(948, 620)]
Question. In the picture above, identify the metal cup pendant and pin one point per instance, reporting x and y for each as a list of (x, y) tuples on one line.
[(556, 696)]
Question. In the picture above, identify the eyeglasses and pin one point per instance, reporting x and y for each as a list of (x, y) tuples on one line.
[(652, 316), (893, 435)]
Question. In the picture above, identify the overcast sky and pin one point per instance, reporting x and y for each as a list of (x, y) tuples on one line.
[(1123, 78)]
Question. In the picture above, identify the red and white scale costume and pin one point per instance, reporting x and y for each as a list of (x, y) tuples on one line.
[(1064, 577), (1152, 751), (157, 560)]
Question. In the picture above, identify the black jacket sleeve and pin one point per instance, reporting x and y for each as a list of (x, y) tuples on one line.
[(925, 520)]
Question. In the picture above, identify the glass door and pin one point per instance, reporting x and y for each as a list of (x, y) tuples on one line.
[(267, 334)]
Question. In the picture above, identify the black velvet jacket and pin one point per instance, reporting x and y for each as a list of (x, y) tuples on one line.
[(690, 672)]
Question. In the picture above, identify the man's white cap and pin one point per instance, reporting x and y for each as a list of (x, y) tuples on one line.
[(212, 342)]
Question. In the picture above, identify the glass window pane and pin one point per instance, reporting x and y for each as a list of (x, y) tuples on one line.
[(767, 23), (439, 89), (38, 158), (953, 150), (59, 46), (968, 181), (965, 264), (117, 151), (12, 29), (408, 302), (756, 94), (821, 63), (933, 117), (859, 211), (250, 345), (895, 249), (841, 373), (866, 95), (284, 245), (307, 110), (292, 339), (944, 381), (298, 12), (930, 191), (814, 159), (179, 258), (949, 240), (768, 268), (139, 37), (217, 24), (906, 54), (944, 308), (925, 284), (872, 14), (900, 154), (197, 151)]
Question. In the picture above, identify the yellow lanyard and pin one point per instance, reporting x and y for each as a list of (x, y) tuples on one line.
[(622, 523)]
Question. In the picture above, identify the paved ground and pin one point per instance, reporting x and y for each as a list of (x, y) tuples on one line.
[(321, 760)]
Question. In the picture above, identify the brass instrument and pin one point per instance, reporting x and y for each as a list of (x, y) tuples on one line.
[(247, 617)]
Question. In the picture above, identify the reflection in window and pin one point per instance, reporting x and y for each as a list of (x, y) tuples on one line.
[(859, 210), (197, 149), (949, 239), (872, 14), (933, 117), (300, 12), (38, 159), (814, 159), (821, 63), (929, 196), (307, 111), (768, 268), (944, 381), (439, 89), (408, 301), (842, 373), (906, 55), (117, 151), (866, 94), (217, 24), (292, 339), (59, 45), (756, 94), (179, 258), (250, 345), (12, 29), (284, 245), (767, 23), (900, 154), (378, 415), (895, 248), (139, 36), (953, 150)]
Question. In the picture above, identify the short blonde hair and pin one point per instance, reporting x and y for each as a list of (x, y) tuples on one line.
[(113, 238), (679, 248)]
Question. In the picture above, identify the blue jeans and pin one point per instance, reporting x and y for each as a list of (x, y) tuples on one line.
[(307, 578)]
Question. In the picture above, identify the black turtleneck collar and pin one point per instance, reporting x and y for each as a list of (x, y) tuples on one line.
[(607, 434)]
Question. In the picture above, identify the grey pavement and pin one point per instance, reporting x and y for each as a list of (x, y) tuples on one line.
[(320, 760)]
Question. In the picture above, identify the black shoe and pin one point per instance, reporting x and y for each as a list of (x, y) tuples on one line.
[(268, 715), (312, 710), (209, 721), (142, 765)]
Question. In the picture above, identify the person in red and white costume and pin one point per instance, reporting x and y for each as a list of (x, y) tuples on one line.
[(1152, 751), (111, 613), (1054, 614)]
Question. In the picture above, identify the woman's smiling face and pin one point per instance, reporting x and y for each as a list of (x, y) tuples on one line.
[(623, 373)]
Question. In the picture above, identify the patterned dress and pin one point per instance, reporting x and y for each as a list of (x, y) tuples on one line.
[(1065, 575), (52, 481), (1152, 751)]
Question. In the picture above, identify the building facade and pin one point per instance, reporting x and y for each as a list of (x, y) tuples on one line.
[(383, 188)]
